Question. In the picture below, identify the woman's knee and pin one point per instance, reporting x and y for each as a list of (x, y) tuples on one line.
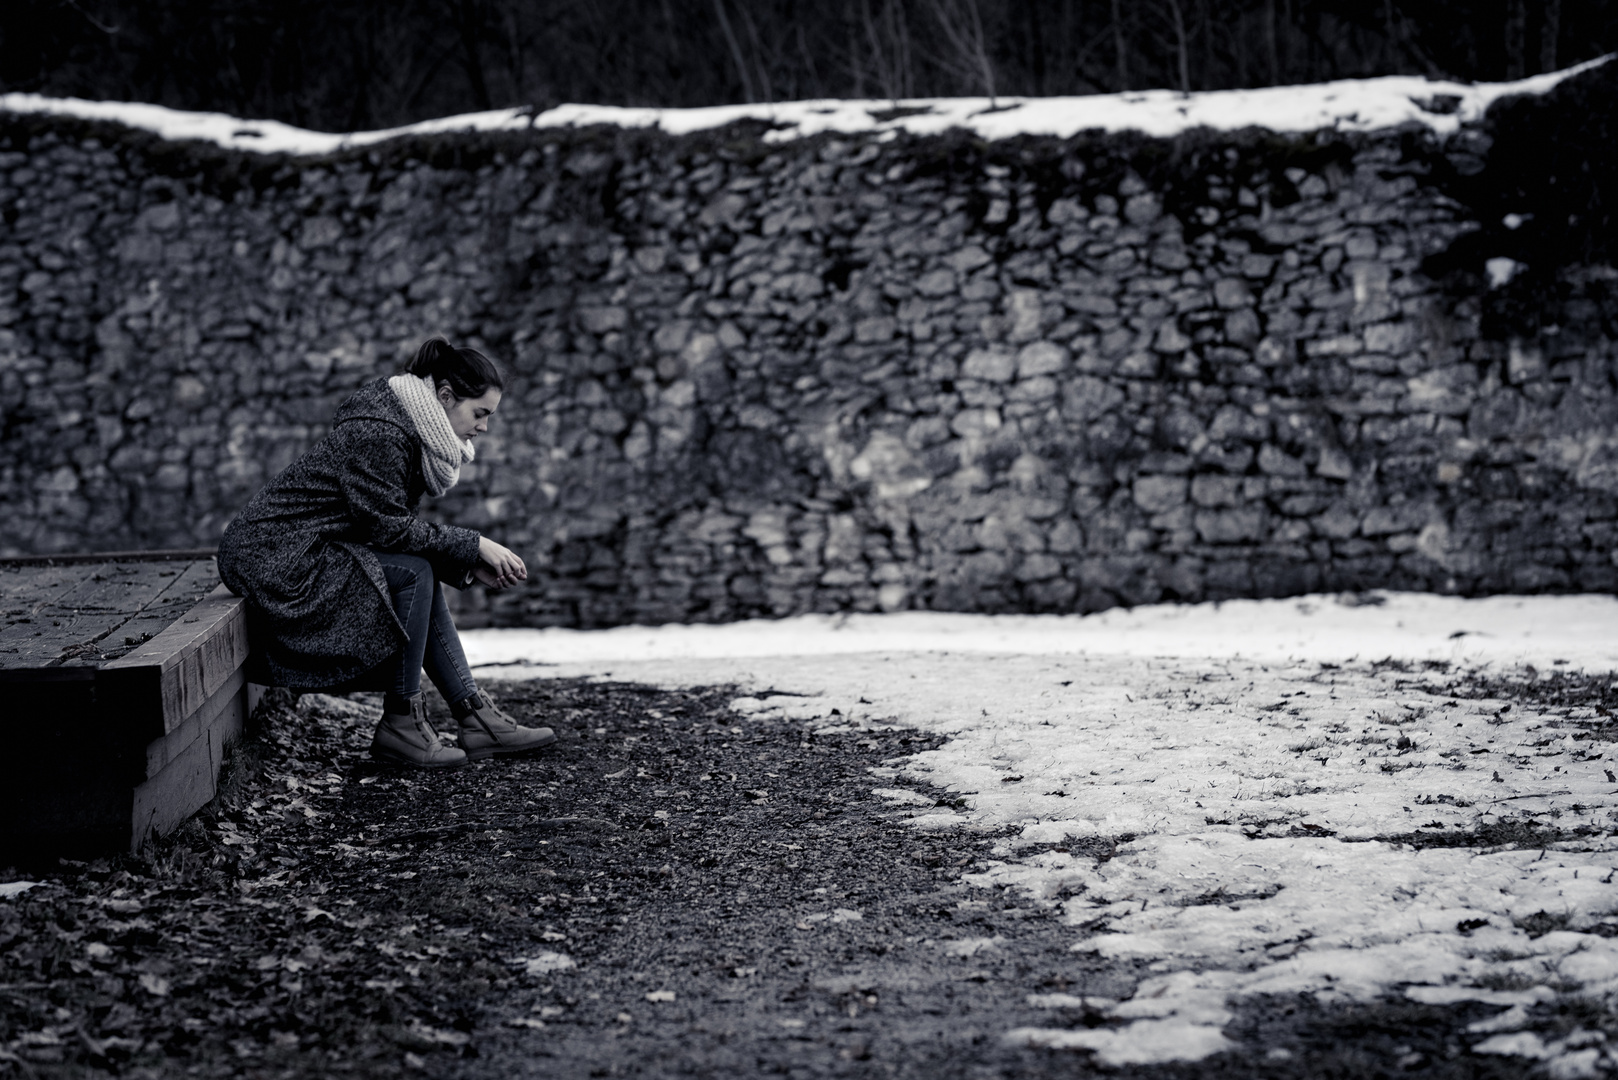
[(404, 571)]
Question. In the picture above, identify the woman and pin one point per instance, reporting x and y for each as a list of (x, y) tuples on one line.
[(343, 580)]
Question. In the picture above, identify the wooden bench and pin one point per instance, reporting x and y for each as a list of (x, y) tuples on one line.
[(123, 680)]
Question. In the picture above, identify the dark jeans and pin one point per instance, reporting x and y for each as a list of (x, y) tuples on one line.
[(418, 599)]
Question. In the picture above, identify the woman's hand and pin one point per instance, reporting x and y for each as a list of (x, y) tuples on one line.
[(499, 567)]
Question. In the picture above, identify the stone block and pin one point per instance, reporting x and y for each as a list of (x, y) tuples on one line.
[(1086, 303), (1160, 494), (1235, 422), (1238, 525), (1335, 345), (1525, 361), (967, 259), (1170, 254), (1273, 461), (1143, 209), (1040, 388), (1038, 566), (877, 329), (1392, 338), (1086, 397), (1212, 489), (1140, 365), (1170, 339), (1066, 536), (1447, 391), (725, 209), (1258, 267), (1232, 292), (319, 232), (1242, 327), (975, 423), (928, 431), (1041, 358), (1388, 520), (1334, 463), (799, 286), (993, 365), (1338, 522), (1024, 311), (161, 217)]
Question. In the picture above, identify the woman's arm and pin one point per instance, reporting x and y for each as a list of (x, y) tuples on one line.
[(376, 459), (500, 567)]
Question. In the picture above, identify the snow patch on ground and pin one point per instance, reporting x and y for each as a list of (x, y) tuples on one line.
[(1346, 105), (1409, 626), (1265, 766)]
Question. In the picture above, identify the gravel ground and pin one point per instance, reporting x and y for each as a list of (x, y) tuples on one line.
[(668, 891)]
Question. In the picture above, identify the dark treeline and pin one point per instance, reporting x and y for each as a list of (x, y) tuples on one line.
[(349, 64)]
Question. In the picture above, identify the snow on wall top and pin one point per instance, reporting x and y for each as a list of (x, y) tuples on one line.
[(1347, 105)]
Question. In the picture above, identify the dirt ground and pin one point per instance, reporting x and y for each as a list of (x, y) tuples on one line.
[(669, 891)]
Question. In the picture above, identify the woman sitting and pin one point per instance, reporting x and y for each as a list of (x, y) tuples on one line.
[(343, 581)]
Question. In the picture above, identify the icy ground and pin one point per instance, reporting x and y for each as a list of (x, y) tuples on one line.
[(1346, 105), (1272, 760)]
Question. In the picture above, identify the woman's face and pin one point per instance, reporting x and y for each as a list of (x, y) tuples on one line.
[(469, 417)]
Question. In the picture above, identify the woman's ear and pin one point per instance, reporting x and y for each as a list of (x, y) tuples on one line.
[(446, 396)]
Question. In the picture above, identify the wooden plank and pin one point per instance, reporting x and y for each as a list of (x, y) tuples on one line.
[(117, 749), (94, 619), (31, 593), (76, 558), (195, 581), (71, 624), (24, 590), (171, 676), (160, 752), (186, 783)]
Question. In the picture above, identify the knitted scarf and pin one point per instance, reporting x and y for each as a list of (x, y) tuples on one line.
[(441, 452)]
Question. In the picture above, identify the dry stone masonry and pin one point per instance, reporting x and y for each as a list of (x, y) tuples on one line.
[(839, 373)]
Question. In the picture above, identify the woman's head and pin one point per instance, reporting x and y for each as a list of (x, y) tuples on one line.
[(467, 382)]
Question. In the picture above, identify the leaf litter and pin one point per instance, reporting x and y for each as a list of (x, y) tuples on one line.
[(630, 905)]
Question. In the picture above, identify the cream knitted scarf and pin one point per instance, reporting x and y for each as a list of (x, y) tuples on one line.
[(441, 452)]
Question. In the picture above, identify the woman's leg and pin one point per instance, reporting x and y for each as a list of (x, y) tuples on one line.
[(485, 729), (445, 659), (411, 583)]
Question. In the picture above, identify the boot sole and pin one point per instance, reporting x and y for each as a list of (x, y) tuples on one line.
[(480, 755), (387, 757)]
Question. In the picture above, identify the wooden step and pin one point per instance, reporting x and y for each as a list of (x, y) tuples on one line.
[(124, 683)]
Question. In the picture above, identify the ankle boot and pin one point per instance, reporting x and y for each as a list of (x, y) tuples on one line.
[(406, 738), (486, 730)]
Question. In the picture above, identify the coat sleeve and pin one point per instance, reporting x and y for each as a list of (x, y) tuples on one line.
[(373, 479)]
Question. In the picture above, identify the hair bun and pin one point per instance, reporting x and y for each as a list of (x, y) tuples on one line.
[(467, 372)]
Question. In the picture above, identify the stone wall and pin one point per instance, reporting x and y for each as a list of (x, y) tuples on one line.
[(831, 374)]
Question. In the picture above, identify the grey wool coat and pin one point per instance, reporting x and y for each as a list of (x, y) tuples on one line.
[(302, 551)]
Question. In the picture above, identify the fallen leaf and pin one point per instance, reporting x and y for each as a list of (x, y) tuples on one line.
[(543, 962)]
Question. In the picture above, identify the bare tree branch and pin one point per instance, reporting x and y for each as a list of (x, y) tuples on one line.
[(962, 27), (110, 31), (766, 88), (1516, 26), (735, 52), (1549, 30), (1120, 44), (1180, 45)]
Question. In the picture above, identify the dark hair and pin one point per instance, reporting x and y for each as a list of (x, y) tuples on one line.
[(467, 372)]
